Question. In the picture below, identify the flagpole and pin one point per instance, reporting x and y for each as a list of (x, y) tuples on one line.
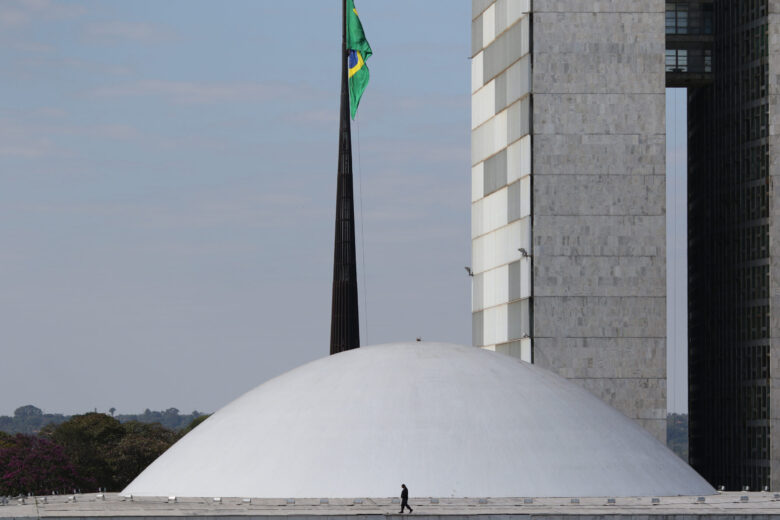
[(344, 321)]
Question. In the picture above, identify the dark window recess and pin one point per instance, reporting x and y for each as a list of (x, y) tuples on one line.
[(728, 237), (689, 40)]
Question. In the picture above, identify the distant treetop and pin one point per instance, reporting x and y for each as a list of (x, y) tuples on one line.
[(28, 411), (30, 419)]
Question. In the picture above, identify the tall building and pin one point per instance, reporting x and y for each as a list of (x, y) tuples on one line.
[(733, 240), (568, 193), (568, 207)]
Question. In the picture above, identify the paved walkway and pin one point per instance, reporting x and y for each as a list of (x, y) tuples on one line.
[(111, 505)]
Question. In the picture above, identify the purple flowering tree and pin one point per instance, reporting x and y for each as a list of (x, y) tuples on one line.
[(31, 464)]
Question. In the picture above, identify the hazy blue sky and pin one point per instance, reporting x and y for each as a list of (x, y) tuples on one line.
[(677, 249), (168, 178)]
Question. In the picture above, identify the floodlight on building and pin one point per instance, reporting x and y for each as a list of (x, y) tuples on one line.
[(611, 501), (766, 488), (100, 496), (72, 498), (246, 500), (128, 497), (721, 488), (655, 501), (523, 252), (469, 271), (217, 500), (745, 488), (172, 499)]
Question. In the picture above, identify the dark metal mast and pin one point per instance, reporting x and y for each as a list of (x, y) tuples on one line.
[(344, 320)]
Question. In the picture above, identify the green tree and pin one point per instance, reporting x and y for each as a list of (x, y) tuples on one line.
[(139, 447), (28, 419), (193, 423), (677, 434), (88, 441), (28, 411), (5, 440)]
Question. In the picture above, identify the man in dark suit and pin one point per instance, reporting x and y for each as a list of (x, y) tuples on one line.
[(404, 498)]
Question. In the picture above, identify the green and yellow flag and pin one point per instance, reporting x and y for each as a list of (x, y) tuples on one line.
[(359, 52)]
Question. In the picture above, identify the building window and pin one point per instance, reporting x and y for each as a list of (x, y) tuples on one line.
[(677, 18), (676, 60), (694, 17)]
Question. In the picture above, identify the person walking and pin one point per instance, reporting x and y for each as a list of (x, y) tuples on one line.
[(404, 499)]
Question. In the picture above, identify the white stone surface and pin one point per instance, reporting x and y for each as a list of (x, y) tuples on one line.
[(477, 181), (519, 159), (489, 25), (501, 246), (476, 72), (495, 288), (501, 147), (448, 420), (723, 506), (489, 138), (489, 213), (483, 104)]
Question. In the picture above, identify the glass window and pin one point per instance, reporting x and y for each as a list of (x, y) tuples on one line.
[(682, 60), (669, 22), (682, 22), (671, 60), (677, 17), (670, 19)]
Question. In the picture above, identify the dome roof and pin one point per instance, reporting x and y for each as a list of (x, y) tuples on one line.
[(448, 420)]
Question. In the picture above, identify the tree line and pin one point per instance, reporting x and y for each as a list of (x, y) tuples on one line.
[(31, 419), (82, 453), (677, 434)]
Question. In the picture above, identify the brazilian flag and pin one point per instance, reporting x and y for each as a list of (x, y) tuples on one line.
[(359, 52)]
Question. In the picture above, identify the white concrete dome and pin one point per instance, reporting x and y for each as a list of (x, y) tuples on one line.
[(447, 420)]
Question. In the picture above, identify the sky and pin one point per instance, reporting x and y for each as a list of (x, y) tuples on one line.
[(168, 175), (167, 192), (677, 250)]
